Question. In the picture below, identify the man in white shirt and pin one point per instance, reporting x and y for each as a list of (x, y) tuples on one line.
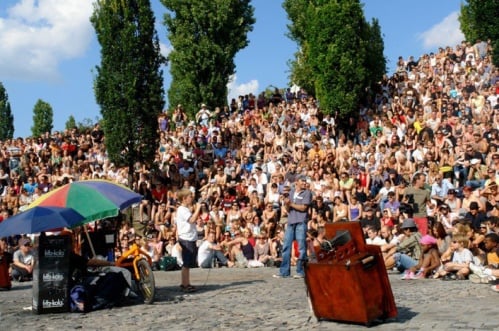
[(210, 250), (373, 237), (203, 115)]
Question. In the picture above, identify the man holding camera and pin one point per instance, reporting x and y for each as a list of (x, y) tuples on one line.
[(296, 206)]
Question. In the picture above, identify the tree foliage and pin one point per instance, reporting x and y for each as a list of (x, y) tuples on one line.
[(43, 118), (70, 123), (6, 117), (87, 124), (129, 81), (205, 35), (478, 20), (301, 67), (341, 54)]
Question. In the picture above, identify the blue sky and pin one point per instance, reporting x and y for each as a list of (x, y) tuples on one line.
[(48, 49)]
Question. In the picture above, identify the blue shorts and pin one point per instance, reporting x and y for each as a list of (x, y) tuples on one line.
[(189, 253)]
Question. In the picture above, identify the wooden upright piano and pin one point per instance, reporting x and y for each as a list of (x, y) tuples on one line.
[(348, 282)]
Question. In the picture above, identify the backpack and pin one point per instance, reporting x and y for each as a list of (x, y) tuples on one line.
[(79, 299)]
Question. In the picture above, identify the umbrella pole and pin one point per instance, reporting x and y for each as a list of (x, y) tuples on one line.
[(89, 241)]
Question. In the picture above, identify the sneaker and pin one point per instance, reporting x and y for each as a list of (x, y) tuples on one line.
[(279, 276), (477, 270), (188, 288), (495, 288), (408, 275), (418, 275), (298, 276), (474, 278)]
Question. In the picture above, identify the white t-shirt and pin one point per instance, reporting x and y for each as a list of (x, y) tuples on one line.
[(376, 241), (204, 251), (24, 259), (463, 256), (186, 231)]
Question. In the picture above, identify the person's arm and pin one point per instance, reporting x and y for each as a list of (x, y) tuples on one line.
[(298, 207), (434, 262), (446, 256), (19, 264), (417, 266), (233, 242), (195, 214), (99, 263), (477, 240), (407, 243)]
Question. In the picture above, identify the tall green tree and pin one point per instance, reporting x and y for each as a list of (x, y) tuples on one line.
[(6, 117), (43, 118), (205, 35), (70, 123), (129, 81), (301, 72), (341, 55), (375, 61), (478, 19)]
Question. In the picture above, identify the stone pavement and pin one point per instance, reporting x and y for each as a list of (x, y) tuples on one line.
[(242, 299)]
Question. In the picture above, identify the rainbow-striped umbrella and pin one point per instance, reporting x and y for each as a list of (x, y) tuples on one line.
[(94, 199)]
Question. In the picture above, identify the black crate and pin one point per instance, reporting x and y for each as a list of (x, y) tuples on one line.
[(51, 275)]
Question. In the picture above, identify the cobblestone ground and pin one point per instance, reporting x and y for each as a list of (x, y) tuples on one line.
[(242, 299)]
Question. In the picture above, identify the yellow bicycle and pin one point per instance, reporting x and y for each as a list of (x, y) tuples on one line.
[(139, 263)]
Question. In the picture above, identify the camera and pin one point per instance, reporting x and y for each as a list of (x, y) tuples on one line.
[(405, 208), (410, 198)]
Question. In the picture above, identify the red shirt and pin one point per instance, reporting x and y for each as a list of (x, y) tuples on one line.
[(159, 195)]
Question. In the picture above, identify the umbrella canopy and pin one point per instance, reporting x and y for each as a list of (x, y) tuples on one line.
[(39, 219), (94, 199)]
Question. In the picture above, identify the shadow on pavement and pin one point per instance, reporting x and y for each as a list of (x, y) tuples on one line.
[(175, 293), (404, 314)]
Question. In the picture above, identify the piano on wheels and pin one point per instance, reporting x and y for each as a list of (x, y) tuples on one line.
[(349, 282)]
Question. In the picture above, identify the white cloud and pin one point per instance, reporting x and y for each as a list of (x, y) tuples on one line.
[(165, 49), (444, 33), (35, 36), (236, 89)]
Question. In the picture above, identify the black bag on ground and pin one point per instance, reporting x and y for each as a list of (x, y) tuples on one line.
[(168, 263), (108, 291)]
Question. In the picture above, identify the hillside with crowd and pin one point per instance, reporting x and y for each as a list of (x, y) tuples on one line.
[(420, 160)]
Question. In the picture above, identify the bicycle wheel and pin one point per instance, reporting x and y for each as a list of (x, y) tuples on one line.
[(146, 282)]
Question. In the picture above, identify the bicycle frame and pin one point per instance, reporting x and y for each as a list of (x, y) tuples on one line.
[(125, 260)]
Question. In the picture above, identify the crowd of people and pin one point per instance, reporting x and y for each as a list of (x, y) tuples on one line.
[(417, 166)]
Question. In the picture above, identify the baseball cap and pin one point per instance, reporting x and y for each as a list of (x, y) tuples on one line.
[(25, 242)]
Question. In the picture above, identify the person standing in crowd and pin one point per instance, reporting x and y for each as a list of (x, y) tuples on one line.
[(417, 196), (185, 219), (296, 204)]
